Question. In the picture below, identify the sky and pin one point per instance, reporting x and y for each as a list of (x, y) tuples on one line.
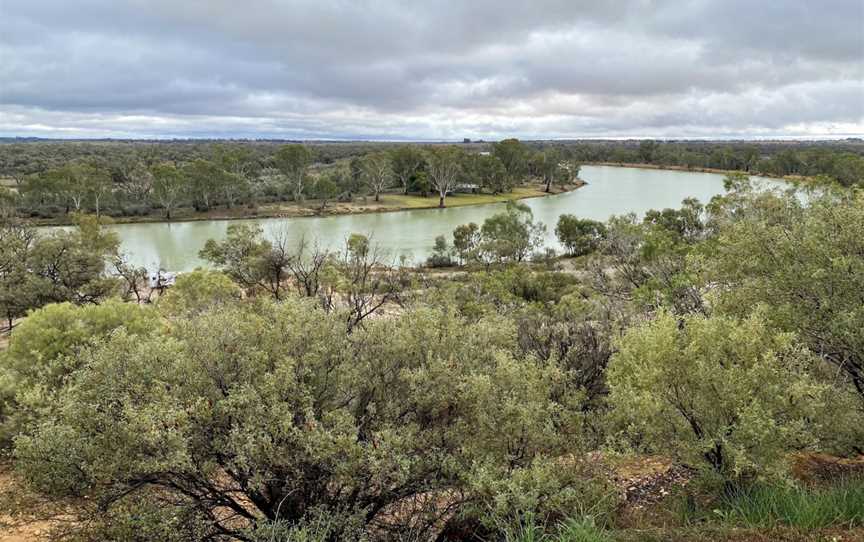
[(432, 69)]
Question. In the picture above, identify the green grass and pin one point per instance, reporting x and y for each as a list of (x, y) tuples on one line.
[(582, 529), (412, 201), (840, 505)]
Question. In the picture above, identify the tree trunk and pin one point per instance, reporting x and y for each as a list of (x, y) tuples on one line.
[(441, 202), (377, 197)]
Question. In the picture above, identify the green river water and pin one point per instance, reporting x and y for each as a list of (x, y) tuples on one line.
[(610, 191)]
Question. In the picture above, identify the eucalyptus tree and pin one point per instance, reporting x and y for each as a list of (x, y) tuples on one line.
[(377, 173), (445, 167), (511, 236), (204, 181), (489, 172), (514, 156), (406, 161), (293, 161), (580, 236), (169, 186), (551, 167), (249, 259)]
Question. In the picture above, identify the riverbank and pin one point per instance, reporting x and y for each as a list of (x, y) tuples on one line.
[(389, 202)]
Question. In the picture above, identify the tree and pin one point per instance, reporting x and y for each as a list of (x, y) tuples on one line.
[(732, 396), (136, 279), (376, 172), (327, 186), (360, 281), (137, 182), (250, 260), (445, 166), (550, 163), (307, 268), (79, 183), (648, 150), (17, 294), (466, 242), (512, 235), (71, 265), (73, 181), (294, 161), (514, 156), (490, 173), (204, 180), (405, 162), (97, 185), (686, 222), (848, 169), (440, 253), (169, 185), (579, 236)]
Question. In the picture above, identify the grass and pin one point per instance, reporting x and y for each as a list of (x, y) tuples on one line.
[(580, 529), (412, 201), (840, 505)]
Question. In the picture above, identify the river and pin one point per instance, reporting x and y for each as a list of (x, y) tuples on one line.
[(610, 191)]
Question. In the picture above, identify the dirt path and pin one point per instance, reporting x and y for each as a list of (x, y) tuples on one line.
[(25, 517)]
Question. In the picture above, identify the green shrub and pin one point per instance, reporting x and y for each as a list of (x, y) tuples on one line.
[(199, 291), (731, 396), (42, 353)]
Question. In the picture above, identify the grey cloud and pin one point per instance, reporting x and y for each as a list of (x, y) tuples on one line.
[(437, 69)]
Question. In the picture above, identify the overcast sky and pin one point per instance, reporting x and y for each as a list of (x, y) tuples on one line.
[(431, 69)]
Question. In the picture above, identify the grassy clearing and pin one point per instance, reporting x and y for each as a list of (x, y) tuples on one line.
[(412, 201)]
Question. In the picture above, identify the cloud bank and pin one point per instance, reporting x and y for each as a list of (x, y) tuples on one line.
[(438, 69)]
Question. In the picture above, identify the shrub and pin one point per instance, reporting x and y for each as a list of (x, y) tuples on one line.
[(42, 353), (730, 395), (198, 291), (294, 417)]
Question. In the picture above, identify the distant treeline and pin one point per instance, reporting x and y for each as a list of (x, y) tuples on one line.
[(49, 179), (843, 161)]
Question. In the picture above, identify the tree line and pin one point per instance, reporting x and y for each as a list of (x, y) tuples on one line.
[(51, 180), (840, 161), (232, 176)]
